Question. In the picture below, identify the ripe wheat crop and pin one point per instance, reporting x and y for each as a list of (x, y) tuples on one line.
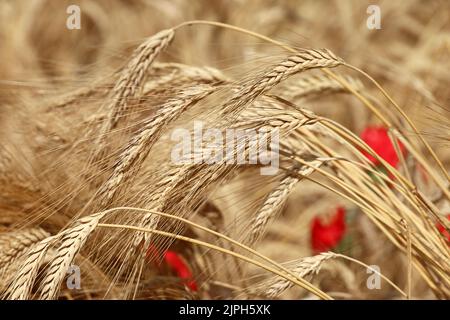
[(355, 118)]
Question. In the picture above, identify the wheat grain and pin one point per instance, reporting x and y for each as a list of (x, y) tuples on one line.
[(133, 75), (275, 201), (316, 85), (304, 60), (306, 266), (14, 244), (71, 242), (140, 145), (121, 153), (24, 279), (130, 82)]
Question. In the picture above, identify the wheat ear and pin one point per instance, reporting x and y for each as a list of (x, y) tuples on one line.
[(301, 268), (130, 82), (138, 148), (15, 244), (304, 60), (132, 76), (316, 85), (71, 242), (23, 282), (275, 201)]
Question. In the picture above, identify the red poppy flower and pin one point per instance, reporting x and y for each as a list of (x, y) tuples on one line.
[(326, 235), (443, 230), (378, 139), (178, 265)]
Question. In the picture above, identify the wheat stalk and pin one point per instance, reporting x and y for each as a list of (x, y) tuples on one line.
[(176, 189)]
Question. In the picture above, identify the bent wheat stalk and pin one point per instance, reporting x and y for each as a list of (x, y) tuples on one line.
[(299, 281)]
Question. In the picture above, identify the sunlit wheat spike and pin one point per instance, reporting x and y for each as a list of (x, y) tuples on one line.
[(302, 61), (71, 242), (137, 150), (130, 82), (275, 201), (133, 74), (24, 279), (316, 85), (15, 244), (310, 265)]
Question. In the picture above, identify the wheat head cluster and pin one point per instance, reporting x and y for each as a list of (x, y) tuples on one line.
[(86, 177)]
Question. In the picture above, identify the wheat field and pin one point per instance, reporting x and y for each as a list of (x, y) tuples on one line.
[(93, 205)]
